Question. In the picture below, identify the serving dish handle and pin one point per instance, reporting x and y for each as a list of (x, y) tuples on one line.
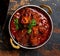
[(47, 7), (14, 45)]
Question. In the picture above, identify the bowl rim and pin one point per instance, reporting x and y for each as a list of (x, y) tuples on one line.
[(36, 46)]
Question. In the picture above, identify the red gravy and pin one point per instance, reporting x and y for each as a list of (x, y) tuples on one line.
[(39, 32)]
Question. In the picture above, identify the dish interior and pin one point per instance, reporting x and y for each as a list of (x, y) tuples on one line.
[(30, 26)]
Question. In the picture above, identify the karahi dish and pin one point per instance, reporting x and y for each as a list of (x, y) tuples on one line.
[(30, 26)]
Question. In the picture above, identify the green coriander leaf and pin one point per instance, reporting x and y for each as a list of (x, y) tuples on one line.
[(16, 23), (17, 27), (31, 24), (29, 31)]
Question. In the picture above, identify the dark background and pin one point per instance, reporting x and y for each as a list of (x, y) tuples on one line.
[(52, 48), (3, 10)]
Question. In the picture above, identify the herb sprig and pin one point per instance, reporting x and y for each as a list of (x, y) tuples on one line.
[(16, 23), (31, 24)]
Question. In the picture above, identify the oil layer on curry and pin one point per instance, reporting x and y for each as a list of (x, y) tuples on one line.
[(30, 27)]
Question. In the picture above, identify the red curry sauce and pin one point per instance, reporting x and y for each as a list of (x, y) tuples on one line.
[(39, 33)]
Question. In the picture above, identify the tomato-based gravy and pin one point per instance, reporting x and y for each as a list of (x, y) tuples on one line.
[(30, 26)]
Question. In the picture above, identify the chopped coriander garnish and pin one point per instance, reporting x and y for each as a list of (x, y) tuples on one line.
[(29, 31), (16, 23), (31, 24)]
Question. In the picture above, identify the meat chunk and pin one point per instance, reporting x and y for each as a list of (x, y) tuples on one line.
[(17, 15), (24, 40), (35, 30), (42, 29), (35, 40), (20, 34), (25, 20)]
